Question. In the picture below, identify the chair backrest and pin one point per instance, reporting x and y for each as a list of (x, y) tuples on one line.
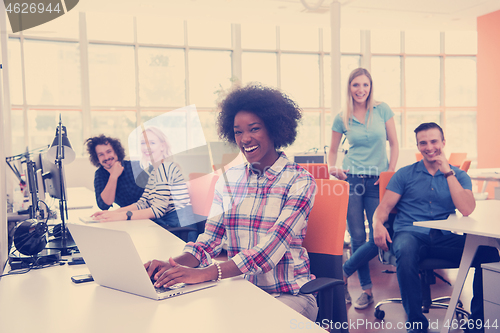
[(456, 159), (465, 166), (201, 189), (317, 170), (419, 156), (383, 180), (324, 240), (387, 258), (228, 161)]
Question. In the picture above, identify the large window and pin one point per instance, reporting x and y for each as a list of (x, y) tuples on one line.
[(111, 75), (124, 71), (300, 78), (423, 81), (259, 67), (209, 76), (52, 73), (162, 77), (461, 81), (386, 71)]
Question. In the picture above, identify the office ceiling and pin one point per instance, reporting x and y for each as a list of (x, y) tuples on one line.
[(356, 14)]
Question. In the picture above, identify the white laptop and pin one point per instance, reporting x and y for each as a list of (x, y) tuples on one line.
[(114, 262)]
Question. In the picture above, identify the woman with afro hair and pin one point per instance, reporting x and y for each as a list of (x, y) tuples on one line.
[(260, 207)]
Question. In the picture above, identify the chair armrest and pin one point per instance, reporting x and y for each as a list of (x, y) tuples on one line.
[(320, 284)]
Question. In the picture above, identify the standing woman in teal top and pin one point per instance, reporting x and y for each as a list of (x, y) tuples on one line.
[(367, 124)]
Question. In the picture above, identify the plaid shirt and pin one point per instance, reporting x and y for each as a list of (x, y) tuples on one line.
[(264, 218), (127, 191)]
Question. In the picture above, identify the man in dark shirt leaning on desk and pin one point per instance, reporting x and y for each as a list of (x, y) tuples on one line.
[(430, 189), (114, 180)]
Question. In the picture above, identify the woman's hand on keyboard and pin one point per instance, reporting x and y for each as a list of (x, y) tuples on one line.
[(178, 273)]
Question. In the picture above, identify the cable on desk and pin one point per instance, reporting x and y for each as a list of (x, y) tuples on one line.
[(31, 266)]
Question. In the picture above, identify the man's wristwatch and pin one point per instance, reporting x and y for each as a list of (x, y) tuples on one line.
[(449, 173), (129, 215)]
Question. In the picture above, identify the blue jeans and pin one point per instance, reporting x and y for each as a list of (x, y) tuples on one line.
[(180, 217), (412, 247), (363, 196)]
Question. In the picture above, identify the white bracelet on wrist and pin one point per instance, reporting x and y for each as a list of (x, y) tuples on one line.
[(219, 271)]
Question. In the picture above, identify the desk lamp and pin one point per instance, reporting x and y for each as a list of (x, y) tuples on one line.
[(60, 150)]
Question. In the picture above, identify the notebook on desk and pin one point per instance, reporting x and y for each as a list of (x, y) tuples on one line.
[(114, 262)]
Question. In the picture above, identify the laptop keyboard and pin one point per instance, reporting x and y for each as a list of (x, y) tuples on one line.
[(160, 290)]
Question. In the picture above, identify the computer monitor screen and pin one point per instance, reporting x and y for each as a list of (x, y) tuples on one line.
[(52, 177), (40, 184)]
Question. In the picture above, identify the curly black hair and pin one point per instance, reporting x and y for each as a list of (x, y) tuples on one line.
[(91, 143), (279, 113)]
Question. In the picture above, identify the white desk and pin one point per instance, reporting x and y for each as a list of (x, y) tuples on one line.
[(486, 175), (46, 300), (482, 228)]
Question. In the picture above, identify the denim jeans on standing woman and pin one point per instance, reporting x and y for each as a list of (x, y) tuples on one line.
[(363, 196)]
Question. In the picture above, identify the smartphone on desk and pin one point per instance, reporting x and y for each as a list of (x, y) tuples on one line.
[(82, 278)]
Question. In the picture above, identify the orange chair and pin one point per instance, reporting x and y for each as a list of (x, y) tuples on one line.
[(317, 170), (419, 156), (465, 166), (228, 161), (383, 181), (324, 242), (201, 188), (456, 159)]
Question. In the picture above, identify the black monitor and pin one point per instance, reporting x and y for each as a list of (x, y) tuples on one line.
[(52, 177)]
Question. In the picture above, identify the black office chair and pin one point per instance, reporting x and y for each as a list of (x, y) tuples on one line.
[(426, 268), (182, 232), (324, 242), (427, 278)]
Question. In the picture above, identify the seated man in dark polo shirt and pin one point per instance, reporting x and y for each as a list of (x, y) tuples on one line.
[(114, 179), (430, 189)]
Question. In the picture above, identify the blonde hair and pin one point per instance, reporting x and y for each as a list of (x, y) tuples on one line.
[(163, 139), (370, 101)]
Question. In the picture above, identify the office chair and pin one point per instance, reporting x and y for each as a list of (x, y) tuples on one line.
[(317, 170), (426, 267), (324, 242), (465, 165), (418, 156), (227, 162), (456, 159), (201, 189)]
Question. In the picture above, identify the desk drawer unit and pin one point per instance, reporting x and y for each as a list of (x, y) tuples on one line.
[(491, 295)]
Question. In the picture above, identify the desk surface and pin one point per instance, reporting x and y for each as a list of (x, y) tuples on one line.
[(491, 174), (47, 299), (484, 221)]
